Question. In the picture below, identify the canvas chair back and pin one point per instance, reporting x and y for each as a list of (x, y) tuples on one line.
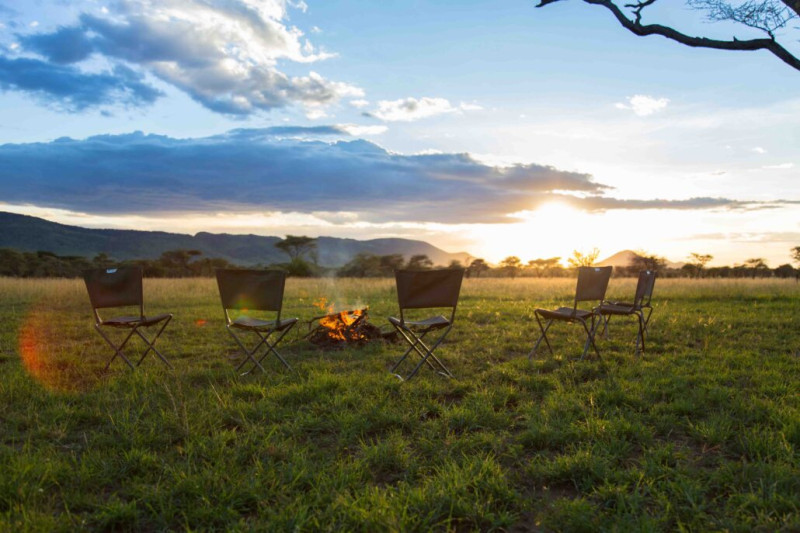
[(114, 287), (644, 288), (592, 283), (258, 290), (422, 289)]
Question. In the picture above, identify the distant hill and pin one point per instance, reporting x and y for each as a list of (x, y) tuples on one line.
[(33, 234), (625, 257)]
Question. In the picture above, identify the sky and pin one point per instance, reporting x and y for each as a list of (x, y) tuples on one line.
[(494, 128)]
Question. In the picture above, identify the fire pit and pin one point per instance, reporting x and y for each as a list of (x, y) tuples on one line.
[(343, 328)]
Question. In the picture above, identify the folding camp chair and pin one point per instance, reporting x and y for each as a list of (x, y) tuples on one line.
[(425, 289), (255, 290), (641, 302), (122, 287), (592, 285)]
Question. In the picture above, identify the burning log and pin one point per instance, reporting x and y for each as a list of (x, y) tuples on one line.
[(343, 328)]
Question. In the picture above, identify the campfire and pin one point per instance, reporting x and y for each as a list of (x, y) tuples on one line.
[(337, 329)]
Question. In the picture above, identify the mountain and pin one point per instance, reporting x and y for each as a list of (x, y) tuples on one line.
[(619, 259), (31, 234), (626, 257)]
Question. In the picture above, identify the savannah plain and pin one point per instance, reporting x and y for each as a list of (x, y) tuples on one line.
[(702, 433)]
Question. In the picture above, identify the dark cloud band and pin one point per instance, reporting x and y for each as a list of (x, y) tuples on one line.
[(273, 170), (73, 90)]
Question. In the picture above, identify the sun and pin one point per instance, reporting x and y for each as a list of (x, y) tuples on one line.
[(553, 229), (553, 211)]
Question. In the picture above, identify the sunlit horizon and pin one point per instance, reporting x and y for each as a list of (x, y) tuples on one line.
[(533, 237)]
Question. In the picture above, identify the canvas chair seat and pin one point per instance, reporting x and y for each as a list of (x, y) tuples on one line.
[(122, 287), (616, 309), (592, 285), (246, 322), (255, 290), (565, 313), (434, 322), (133, 321), (621, 304), (425, 289)]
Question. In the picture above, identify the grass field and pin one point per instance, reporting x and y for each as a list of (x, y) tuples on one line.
[(701, 434)]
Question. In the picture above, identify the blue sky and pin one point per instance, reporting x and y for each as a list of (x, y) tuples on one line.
[(490, 127)]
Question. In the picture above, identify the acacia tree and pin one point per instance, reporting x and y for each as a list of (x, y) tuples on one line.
[(580, 259), (645, 261), (766, 16), (176, 262), (296, 246), (757, 265), (699, 261), (796, 255), (511, 265), (477, 267), (543, 266), (419, 262)]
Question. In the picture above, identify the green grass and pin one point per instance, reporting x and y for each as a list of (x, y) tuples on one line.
[(701, 434)]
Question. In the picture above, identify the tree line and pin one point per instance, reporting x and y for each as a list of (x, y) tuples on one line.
[(302, 261)]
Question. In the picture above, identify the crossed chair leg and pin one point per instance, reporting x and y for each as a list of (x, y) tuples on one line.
[(426, 353), (590, 334), (250, 354), (640, 334), (149, 342)]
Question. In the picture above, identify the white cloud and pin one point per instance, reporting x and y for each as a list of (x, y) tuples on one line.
[(357, 130), (299, 4), (465, 106), (315, 113), (410, 109), (758, 150), (224, 53), (359, 104), (782, 166), (643, 105)]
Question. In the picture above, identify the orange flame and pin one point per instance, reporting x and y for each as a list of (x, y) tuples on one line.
[(322, 303), (338, 325)]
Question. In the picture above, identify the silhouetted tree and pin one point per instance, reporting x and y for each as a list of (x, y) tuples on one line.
[(768, 16), (391, 262), (176, 262), (644, 261), (477, 267), (102, 260), (697, 262), (541, 266), (580, 259), (784, 271), (296, 246), (363, 265), (510, 266), (419, 262), (757, 266), (12, 263)]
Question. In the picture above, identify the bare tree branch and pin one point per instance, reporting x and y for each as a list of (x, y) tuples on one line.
[(765, 15), (637, 28)]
